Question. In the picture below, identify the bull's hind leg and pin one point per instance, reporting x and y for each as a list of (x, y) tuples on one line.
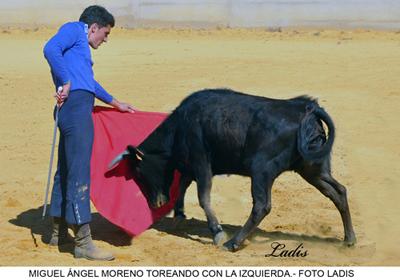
[(321, 178), (261, 185), (204, 183)]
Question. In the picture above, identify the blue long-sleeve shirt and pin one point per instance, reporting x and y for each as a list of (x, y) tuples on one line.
[(70, 60)]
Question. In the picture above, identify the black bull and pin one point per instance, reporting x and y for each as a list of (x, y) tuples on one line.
[(220, 131)]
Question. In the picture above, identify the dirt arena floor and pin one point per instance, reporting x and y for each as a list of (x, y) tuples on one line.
[(354, 74)]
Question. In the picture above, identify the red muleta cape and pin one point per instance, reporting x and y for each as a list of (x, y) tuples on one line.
[(116, 193)]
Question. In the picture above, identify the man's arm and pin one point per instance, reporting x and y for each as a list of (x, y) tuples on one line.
[(104, 96), (64, 39), (53, 51), (101, 93)]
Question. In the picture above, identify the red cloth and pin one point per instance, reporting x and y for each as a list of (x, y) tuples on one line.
[(115, 193)]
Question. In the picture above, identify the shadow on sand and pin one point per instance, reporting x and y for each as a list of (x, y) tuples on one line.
[(197, 230), (100, 227), (193, 229)]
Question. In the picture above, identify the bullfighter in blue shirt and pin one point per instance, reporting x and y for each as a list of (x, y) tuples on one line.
[(69, 57)]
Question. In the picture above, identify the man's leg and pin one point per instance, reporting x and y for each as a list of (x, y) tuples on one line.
[(59, 234), (78, 148)]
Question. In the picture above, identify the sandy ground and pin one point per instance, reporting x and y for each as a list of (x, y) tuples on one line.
[(354, 73)]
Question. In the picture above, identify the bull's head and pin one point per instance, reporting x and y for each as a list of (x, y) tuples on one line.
[(153, 172)]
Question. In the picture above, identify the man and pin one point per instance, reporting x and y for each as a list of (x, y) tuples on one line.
[(69, 57)]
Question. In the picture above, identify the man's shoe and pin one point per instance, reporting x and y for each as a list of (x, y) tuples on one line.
[(59, 234), (85, 248)]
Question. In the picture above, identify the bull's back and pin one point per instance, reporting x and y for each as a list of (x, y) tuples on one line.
[(225, 102), (223, 112), (232, 126)]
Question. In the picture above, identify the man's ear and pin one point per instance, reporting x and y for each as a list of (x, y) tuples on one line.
[(93, 28)]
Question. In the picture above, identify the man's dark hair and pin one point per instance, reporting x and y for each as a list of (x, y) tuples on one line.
[(97, 14)]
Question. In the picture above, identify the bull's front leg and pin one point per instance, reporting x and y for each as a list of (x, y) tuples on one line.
[(179, 209), (261, 193), (204, 183)]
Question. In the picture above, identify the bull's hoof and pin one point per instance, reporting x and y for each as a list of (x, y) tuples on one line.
[(179, 214), (178, 219), (231, 246), (350, 241), (220, 238)]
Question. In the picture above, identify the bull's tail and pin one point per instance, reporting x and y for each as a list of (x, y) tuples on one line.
[(312, 142)]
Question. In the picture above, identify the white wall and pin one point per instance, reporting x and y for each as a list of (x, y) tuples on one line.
[(205, 13)]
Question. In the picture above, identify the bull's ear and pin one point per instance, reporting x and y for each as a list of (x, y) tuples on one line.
[(133, 151)]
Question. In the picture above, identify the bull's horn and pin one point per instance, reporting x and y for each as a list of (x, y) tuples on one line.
[(117, 159), (139, 152)]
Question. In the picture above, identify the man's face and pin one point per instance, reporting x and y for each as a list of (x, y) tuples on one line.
[(97, 35)]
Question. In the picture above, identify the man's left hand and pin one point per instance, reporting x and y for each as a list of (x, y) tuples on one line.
[(125, 107), (122, 106)]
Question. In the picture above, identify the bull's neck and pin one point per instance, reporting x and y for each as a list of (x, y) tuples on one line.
[(161, 140)]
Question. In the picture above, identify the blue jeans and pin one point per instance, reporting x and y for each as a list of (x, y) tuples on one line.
[(70, 198)]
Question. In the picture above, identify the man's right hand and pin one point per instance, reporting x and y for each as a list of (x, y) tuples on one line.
[(62, 93)]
